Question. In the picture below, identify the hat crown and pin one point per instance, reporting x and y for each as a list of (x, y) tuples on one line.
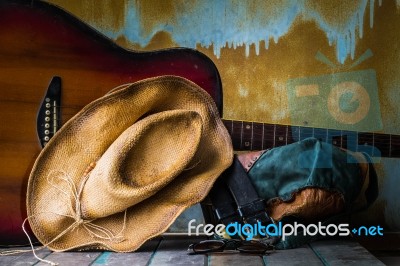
[(141, 161)]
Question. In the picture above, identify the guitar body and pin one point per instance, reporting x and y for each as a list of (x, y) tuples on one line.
[(39, 41)]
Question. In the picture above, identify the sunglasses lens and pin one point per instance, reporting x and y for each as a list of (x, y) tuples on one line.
[(208, 246), (253, 247)]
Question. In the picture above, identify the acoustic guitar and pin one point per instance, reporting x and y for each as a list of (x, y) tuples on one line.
[(52, 64)]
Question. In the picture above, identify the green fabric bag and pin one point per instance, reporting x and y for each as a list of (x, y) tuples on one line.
[(281, 172)]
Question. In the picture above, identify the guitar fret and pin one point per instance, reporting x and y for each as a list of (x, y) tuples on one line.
[(280, 135), (326, 136), (289, 135), (299, 133), (395, 146), (262, 143), (236, 134), (341, 138), (357, 143), (294, 134), (247, 136), (269, 136), (337, 138), (373, 143), (241, 136), (287, 128), (252, 136), (257, 142), (345, 141)]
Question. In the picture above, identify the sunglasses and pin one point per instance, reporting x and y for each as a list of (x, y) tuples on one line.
[(244, 246)]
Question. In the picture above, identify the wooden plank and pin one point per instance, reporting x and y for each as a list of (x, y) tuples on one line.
[(174, 252), (139, 257), (389, 241), (299, 256), (344, 251), (71, 258), (388, 257), (25, 258), (234, 259)]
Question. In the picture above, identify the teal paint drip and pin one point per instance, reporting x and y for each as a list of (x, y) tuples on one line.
[(228, 23)]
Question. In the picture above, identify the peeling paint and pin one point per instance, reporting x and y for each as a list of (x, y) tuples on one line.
[(243, 92), (233, 24), (279, 115)]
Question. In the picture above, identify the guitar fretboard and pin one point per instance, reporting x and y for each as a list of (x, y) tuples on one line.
[(260, 136)]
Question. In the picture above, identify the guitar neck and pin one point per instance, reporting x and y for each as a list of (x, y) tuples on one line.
[(260, 136)]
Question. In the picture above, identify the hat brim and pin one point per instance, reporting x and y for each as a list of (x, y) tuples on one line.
[(86, 137)]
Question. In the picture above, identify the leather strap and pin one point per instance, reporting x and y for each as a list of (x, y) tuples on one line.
[(234, 198), (224, 205)]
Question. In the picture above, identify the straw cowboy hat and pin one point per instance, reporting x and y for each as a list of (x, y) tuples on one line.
[(121, 170)]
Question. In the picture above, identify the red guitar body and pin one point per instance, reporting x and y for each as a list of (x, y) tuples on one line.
[(39, 41)]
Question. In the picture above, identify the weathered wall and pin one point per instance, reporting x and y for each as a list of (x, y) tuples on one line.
[(264, 49)]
